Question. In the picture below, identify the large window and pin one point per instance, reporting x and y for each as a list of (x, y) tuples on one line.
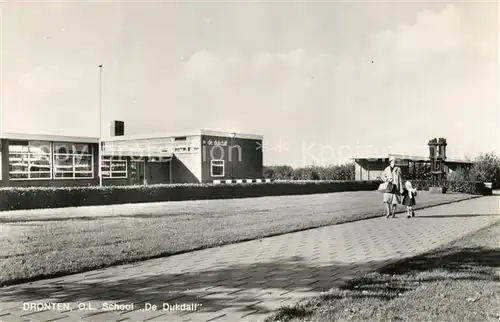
[(114, 167), (29, 160), (217, 168), (73, 160)]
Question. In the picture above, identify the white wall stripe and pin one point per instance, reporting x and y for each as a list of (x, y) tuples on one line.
[(242, 181)]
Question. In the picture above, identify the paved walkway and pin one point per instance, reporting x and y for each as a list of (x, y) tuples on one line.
[(246, 281)]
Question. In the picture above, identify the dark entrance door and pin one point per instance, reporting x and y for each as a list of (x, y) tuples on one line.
[(137, 172), (160, 172)]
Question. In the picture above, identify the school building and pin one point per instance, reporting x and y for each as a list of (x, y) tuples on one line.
[(200, 156), (371, 168)]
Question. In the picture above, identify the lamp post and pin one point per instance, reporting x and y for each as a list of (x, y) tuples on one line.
[(100, 126)]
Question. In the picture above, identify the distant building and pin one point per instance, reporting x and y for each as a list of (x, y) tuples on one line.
[(370, 168), (192, 157)]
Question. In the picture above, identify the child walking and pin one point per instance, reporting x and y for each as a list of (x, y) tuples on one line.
[(409, 194)]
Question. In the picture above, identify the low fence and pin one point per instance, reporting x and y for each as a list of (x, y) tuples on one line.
[(45, 197)]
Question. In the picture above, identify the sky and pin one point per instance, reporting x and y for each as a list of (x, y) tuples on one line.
[(321, 81)]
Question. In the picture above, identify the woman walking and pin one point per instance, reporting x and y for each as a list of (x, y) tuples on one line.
[(392, 198)]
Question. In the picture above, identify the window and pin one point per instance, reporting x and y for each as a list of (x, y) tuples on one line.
[(30, 160), (73, 160), (217, 168), (186, 145), (114, 167)]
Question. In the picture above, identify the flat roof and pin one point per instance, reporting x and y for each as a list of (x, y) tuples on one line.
[(45, 137), (397, 156), (133, 153), (185, 133), (458, 161), (410, 158)]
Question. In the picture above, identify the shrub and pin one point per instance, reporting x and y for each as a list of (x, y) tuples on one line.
[(49, 197), (420, 171), (330, 172), (304, 173), (468, 187), (486, 168), (461, 174), (281, 172), (456, 186), (421, 184)]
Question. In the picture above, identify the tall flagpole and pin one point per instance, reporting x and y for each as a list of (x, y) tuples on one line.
[(100, 125)]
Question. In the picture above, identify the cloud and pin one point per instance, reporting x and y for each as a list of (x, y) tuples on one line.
[(418, 66), (204, 65), (434, 34), (50, 80)]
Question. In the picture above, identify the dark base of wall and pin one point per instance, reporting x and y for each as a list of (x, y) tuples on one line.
[(243, 181), (51, 183)]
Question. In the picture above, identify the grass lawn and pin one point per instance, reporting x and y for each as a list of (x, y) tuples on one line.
[(52, 242), (460, 282)]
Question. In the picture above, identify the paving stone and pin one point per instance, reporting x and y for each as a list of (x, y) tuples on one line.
[(43, 315), (140, 315), (164, 318), (204, 317), (255, 316), (12, 318), (219, 296), (105, 317)]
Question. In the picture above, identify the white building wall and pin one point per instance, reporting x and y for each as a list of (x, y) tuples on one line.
[(357, 172)]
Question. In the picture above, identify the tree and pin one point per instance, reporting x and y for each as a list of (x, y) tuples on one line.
[(461, 174), (420, 172), (486, 169), (280, 172)]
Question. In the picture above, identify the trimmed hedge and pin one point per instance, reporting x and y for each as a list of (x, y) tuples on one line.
[(14, 198), (469, 187), (453, 186)]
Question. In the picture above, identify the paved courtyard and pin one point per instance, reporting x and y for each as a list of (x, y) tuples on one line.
[(249, 280)]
